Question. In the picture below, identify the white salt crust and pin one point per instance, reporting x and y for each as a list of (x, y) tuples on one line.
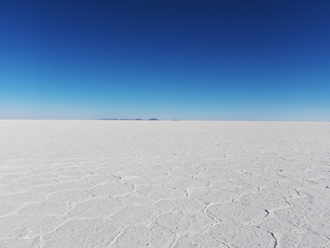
[(164, 184)]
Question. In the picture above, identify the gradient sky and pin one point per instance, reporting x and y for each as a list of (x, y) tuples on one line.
[(173, 59)]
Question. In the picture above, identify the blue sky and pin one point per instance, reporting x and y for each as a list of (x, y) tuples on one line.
[(191, 60)]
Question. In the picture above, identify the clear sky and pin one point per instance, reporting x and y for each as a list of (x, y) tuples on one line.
[(168, 59)]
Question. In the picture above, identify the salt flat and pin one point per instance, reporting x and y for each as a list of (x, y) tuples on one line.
[(164, 184)]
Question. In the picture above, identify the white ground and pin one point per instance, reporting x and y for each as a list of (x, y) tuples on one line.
[(164, 184)]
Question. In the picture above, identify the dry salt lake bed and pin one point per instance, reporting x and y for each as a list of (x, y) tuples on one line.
[(164, 184)]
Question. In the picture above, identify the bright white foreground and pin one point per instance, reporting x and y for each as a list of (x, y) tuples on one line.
[(164, 184)]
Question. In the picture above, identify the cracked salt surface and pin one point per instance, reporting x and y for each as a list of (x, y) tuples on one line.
[(164, 184)]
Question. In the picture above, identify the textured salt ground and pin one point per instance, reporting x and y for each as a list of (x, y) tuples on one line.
[(164, 184)]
